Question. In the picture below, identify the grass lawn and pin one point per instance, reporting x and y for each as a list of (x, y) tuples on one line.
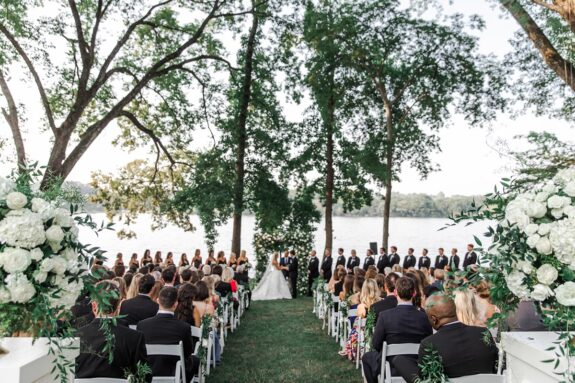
[(282, 341)]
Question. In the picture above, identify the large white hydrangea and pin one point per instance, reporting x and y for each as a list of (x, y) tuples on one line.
[(20, 288), (22, 228), (565, 294), (562, 238), (6, 187), (14, 260)]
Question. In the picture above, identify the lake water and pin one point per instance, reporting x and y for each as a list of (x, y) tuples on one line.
[(349, 233)]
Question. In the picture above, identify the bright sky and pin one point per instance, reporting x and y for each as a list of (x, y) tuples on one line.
[(469, 164)]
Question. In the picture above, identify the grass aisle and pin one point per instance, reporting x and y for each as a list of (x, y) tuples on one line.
[(282, 341)]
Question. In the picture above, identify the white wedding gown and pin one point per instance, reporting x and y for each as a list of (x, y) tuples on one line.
[(272, 286)]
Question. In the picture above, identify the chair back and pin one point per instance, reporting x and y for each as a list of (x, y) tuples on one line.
[(196, 332), (100, 380), (169, 350), (479, 378), (352, 313), (394, 350), (335, 298)]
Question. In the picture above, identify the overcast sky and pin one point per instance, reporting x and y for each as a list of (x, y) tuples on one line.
[(469, 164)]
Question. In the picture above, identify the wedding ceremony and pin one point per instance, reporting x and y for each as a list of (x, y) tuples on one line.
[(253, 191)]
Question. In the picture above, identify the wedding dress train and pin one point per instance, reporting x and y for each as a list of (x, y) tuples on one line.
[(273, 285)]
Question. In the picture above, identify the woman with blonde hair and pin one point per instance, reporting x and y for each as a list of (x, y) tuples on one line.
[(211, 283), (134, 286), (121, 283), (232, 262), (368, 296), (466, 308)]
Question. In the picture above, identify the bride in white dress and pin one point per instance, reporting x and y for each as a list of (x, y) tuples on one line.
[(273, 284)]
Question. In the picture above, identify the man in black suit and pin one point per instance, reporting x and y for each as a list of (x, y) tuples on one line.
[(312, 271), (454, 260), (424, 261), (402, 324), (141, 306), (284, 261), (164, 328), (463, 349), (390, 300), (352, 262), (326, 266), (394, 258), (369, 261), (409, 260), (441, 260), (470, 257), (169, 276), (382, 261), (292, 273), (129, 345), (340, 258)]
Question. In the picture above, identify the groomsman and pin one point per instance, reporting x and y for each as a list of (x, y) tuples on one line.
[(454, 260), (340, 258), (394, 258), (441, 260), (369, 261), (326, 265), (383, 261), (409, 260), (284, 261), (293, 272), (470, 257), (312, 271), (353, 261), (424, 260)]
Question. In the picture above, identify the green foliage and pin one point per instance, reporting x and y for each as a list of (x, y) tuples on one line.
[(431, 367)]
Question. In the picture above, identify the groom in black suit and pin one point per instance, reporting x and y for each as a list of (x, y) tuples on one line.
[(284, 261), (292, 272)]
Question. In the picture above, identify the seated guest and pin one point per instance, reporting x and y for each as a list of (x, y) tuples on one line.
[(119, 270), (186, 275), (390, 300), (141, 306), (439, 275), (128, 280), (466, 308), (347, 290), (134, 286), (129, 345), (221, 287), (155, 292), (241, 276), (144, 270), (463, 349), (369, 295), (338, 287), (164, 328), (169, 277), (380, 279), (402, 324)]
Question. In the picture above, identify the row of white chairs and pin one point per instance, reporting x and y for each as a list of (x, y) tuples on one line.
[(228, 318), (338, 327)]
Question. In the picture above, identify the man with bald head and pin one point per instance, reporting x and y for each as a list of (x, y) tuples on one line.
[(464, 350)]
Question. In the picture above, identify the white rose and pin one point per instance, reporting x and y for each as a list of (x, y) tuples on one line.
[(562, 237), (36, 254), (63, 218), (570, 189), (541, 197), (15, 260), (557, 213), (55, 234), (39, 205), (536, 210), (47, 265), (40, 276), (565, 294), (16, 200), (531, 229), (69, 254), (59, 265), (541, 292), (543, 246), (6, 187), (558, 202), (544, 229), (515, 284), (20, 288), (547, 274), (4, 295), (569, 211), (525, 266), (532, 240)]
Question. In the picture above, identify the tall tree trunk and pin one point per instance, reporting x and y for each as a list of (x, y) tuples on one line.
[(11, 116), (329, 174), (242, 138), (388, 170)]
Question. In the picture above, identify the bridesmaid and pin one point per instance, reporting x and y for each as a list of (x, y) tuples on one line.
[(158, 258), (197, 260), (221, 258), (233, 260), (184, 260), (119, 261), (210, 260), (243, 258), (147, 258), (169, 259), (134, 261)]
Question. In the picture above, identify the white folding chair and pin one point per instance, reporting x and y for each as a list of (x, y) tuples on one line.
[(169, 350), (394, 350), (479, 378), (360, 327), (100, 380), (335, 318), (197, 333)]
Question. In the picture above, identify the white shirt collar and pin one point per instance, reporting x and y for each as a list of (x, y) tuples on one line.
[(160, 311)]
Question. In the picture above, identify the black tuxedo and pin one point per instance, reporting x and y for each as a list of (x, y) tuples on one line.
[(352, 262), (340, 261), (394, 259), (166, 329), (462, 349), (326, 268), (441, 261), (382, 263), (388, 303), (424, 262), (409, 261), (138, 308), (312, 273), (454, 262), (369, 261), (292, 274), (284, 261), (402, 324), (469, 259), (129, 349)]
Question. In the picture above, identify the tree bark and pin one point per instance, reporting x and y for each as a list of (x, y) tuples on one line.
[(242, 138), (563, 68), (11, 117), (329, 172)]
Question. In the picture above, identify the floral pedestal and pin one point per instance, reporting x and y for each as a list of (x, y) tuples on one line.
[(30, 363), (525, 352)]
